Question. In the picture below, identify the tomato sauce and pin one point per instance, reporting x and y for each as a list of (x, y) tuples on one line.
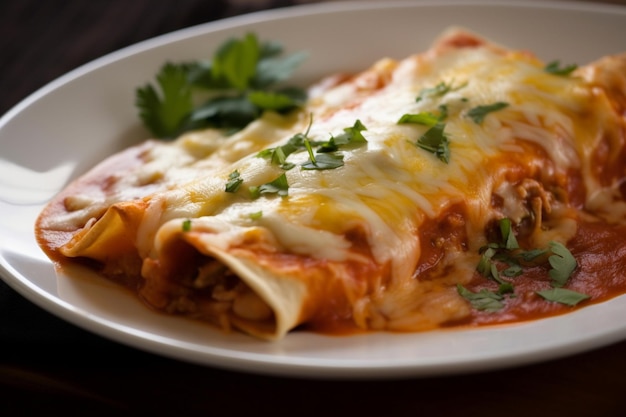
[(600, 252)]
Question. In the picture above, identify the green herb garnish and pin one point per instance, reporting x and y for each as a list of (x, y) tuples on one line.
[(435, 141), (563, 296), (478, 114), (234, 182), (164, 115), (562, 263), (256, 215), (350, 136), (422, 118), (322, 155), (555, 68), (324, 161), (508, 237), (507, 251), (241, 81), (186, 225), (439, 90), (484, 300), (278, 156), (278, 186)]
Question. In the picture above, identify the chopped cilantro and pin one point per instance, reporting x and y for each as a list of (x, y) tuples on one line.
[(234, 182), (278, 186), (350, 136), (326, 158), (555, 68), (439, 90), (484, 300), (513, 271), (532, 255), (478, 113), (256, 215), (278, 156), (324, 161), (435, 141), (309, 149), (484, 265), (422, 118), (508, 237), (563, 296), (508, 251), (186, 225), (562, 263)]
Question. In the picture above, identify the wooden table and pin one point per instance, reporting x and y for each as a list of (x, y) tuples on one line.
[(49, 366)]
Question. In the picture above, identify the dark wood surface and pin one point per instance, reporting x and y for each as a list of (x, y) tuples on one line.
[(48, 366)]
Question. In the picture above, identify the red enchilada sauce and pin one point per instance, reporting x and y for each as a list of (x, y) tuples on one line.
[(600, 252)]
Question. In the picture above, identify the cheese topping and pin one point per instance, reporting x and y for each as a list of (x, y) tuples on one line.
[(390, 186)]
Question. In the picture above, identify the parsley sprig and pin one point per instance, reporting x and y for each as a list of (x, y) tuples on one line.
[(241, 81)]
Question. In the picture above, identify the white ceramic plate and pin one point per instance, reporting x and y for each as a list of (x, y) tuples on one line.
[(62, 129)]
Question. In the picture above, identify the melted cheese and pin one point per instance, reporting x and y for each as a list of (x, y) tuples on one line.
[(390, 186)]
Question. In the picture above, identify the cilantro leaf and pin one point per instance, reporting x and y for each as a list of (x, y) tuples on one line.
[(326, 157), (422, 118), (238, 80), (224, 112), (324, 161), (532, 255), (484, 300), (278, 186), (280, 101), (484, 265), (165, 115), (200, 76), (512, 271), (236, 61), (234, 182), (508, 237), (186, 225), (563, 296), (478, 113), (435, 141), (271, 70), (562, 263), (256, 215), (350, 136), (278, 156), (439, 90), (508, 251), (555, 68)]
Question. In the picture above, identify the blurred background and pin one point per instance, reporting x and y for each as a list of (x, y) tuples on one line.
[(43, 39)]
